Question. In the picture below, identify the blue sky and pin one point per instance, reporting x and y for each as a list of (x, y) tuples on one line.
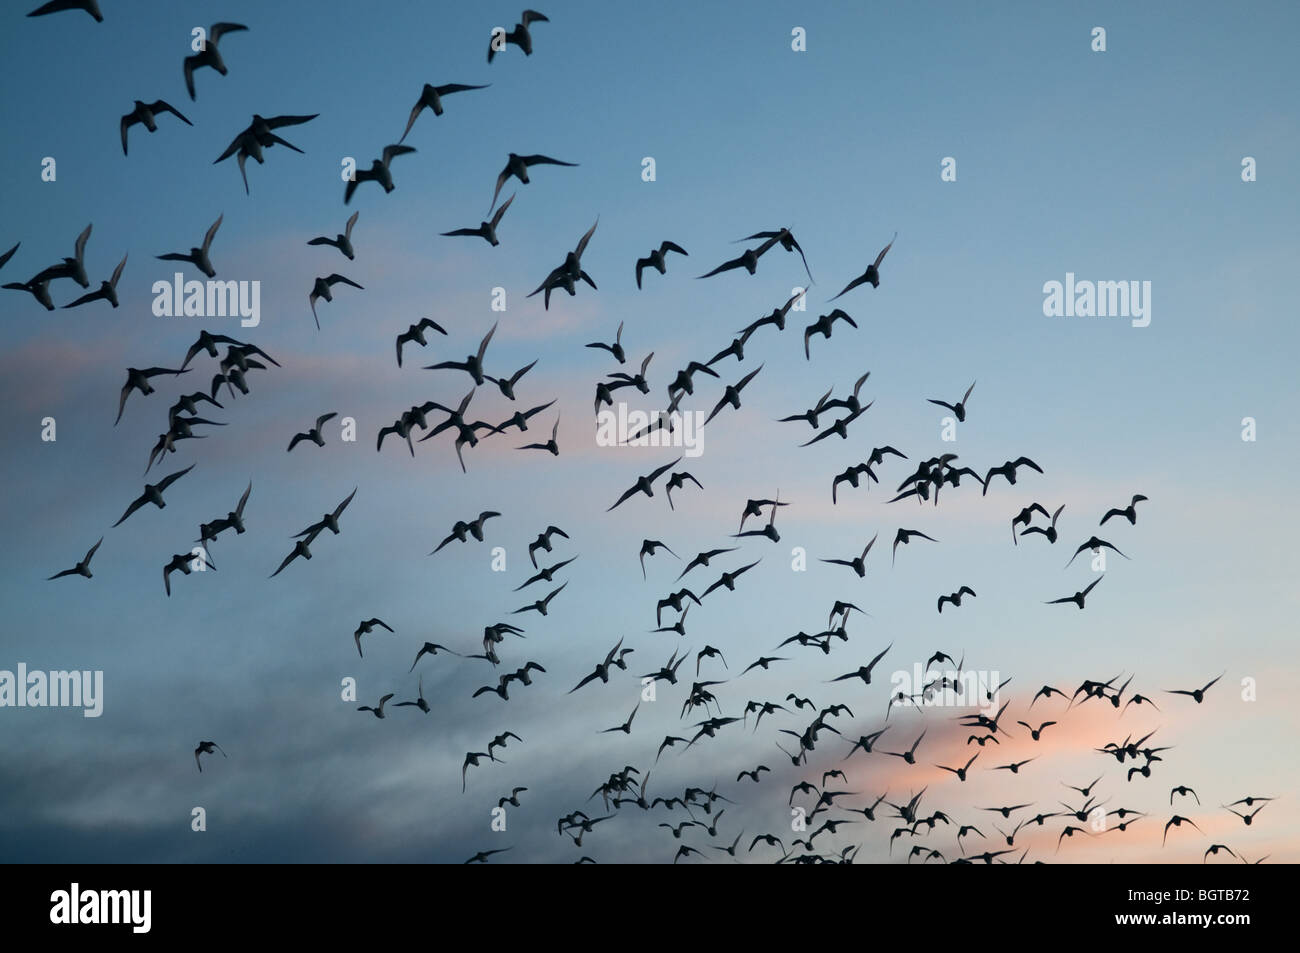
[(1122, 165)]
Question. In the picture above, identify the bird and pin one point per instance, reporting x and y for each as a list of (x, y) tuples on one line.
[(656, 259), (520, 36), (645, 484), (517, 166), (198, 257), (1198, 694), (1183, 790), (748, 260), (956, 597), (40, 290), (732, 394), (507, 384), (107, 290), (431, 98), (1008, 470), (146, 114), (321, 289), (1177, 821), (482, 856), (365, 628), (513, 799), (462, 530), (473, 363), (728, 579), (858, 563), (415, 334), (1050, 531), (83, 566), (626, 727), (1247, 818), (314, 434), (909, 755), (430, 648), (486, 230), (74, 267), (185, 563), (420, 703), (904, 536), (378, 712), (648, 548), (1078, 597), (543, 542), (1036, 733), (1096, 545), (329, 521), (676, 481), (541, 605), (205, 747), (1129, 512), (959, 408), (208, 54), (546, 574), (872, 274), (250, 142), (569, 273), (551, 445), (823, 326), (960, 772), (379, 171), (616, 349), (343, 243), (864, 672), (153, 493), (785, 238)]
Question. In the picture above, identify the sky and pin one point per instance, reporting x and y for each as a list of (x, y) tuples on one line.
[(1122, 165)]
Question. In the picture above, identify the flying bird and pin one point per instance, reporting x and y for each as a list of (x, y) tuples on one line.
[(486, 230), (107, 290), (520, 36), (208, 54), (1129, 512), (959, 408), (342, 242), (205, 747), (1078, 597), (656, 259), (314, 434), (198, 257), (379, 171), (321, 289), (83, 566), (415, 334), (517, 166), (872, 274), (431, 98), (146, 114), (153, 493)]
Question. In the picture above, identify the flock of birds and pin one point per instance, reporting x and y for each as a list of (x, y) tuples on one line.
[(693, 816)]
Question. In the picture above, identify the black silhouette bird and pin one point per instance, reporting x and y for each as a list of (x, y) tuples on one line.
[(1078, 597), (904, 536), (205, 747), (1197, 694), (823, 326), (858, 563), (551, 445), (1096, 545), (732, 394), (83, 566), (366, 627), (153, 493), (415, 334), (1008, 470), (209, 55), (344, 244), (431, 98), (379, 711), (379, 171), (519, 36), (959, 408), (1129, 512), (198, 257), (872, 274), (517, 166), (314, 434), (250, 142), (644, 484), (146, 114), (107, 290), (461, 530), (473, 363), (785, 238), (656, 260), (1050, 531), (486, 230), (956, 597), (59, 6)]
